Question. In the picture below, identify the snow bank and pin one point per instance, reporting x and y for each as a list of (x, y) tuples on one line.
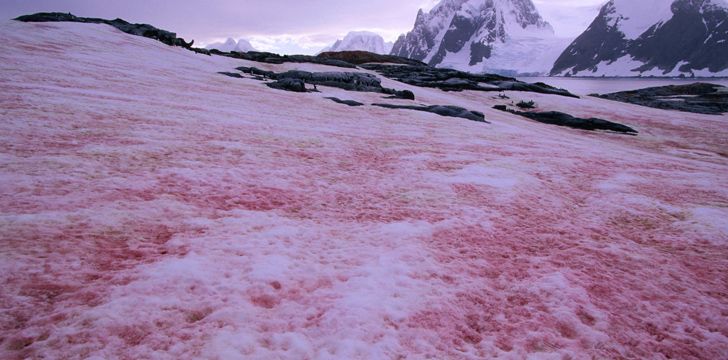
[(152, 208)]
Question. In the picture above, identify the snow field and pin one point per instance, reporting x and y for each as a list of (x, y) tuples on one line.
[(152, 208)]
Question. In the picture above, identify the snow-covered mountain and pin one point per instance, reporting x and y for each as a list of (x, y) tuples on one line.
[(651, 38), (502, 36), (230, 44), (361, 41)]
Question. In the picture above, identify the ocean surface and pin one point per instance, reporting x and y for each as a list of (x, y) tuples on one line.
[(585, 86)]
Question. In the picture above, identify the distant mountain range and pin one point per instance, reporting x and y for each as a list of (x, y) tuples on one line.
[(651, 38), (627, 38), (361, 41), (501, 36), (240, 45)]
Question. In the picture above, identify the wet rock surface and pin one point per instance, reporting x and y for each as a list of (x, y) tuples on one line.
[(454, 80), (564, 119), (442, 110), (701, 98)]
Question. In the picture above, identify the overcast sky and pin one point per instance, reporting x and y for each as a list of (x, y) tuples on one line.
[(286, 26)]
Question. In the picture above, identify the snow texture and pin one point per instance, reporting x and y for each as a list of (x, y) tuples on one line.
[(154, 209)]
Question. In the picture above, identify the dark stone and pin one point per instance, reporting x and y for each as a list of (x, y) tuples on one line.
[(363, 57), (442, 110), (700, 98), (231, 74), (345, 102), (526, 104), (479, 52), (270, 58), (407, 95), (202, 51), (294, 85), (563, 119), (144, 30), (257, 72), (454, 80), (350, 81)]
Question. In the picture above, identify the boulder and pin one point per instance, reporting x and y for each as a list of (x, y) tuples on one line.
[(442, 110), (563, 119), (345, 102), (294, 85)]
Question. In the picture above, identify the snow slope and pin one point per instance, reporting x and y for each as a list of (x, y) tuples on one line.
[(230, 44), (361, 41), (152, 208)]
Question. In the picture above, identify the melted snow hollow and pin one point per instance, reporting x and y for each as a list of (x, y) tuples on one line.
[(152, 208)]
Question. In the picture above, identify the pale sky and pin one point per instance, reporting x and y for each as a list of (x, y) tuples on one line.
[(284, 26)]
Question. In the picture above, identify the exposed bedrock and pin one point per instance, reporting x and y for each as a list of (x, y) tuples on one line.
[(144, 30), (454, 80), (350, 81), (344, 102), (563, 119), (271, 58), (364, 57), (701, 98), (442, 110)]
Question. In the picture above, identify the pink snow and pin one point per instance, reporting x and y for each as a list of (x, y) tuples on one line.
[(154, 209)]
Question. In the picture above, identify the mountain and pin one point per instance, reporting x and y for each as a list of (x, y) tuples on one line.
[(230, 44), (502, 36), (361, 41), (651, 38)]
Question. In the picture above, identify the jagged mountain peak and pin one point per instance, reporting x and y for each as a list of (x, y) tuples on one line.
[(361, 41), (651, 38), (476, 35), (240, 45)]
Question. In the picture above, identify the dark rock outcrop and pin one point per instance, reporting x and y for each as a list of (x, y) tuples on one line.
[(295, 85), (563, 119), (350, 81), (271, 58), (344, 102), (144, 30), (698, 98), (231, 74), (363, 57), (442, 110), (257, 72), (454, 80)]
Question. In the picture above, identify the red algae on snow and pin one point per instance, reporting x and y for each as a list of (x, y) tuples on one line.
[(154, 209)]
